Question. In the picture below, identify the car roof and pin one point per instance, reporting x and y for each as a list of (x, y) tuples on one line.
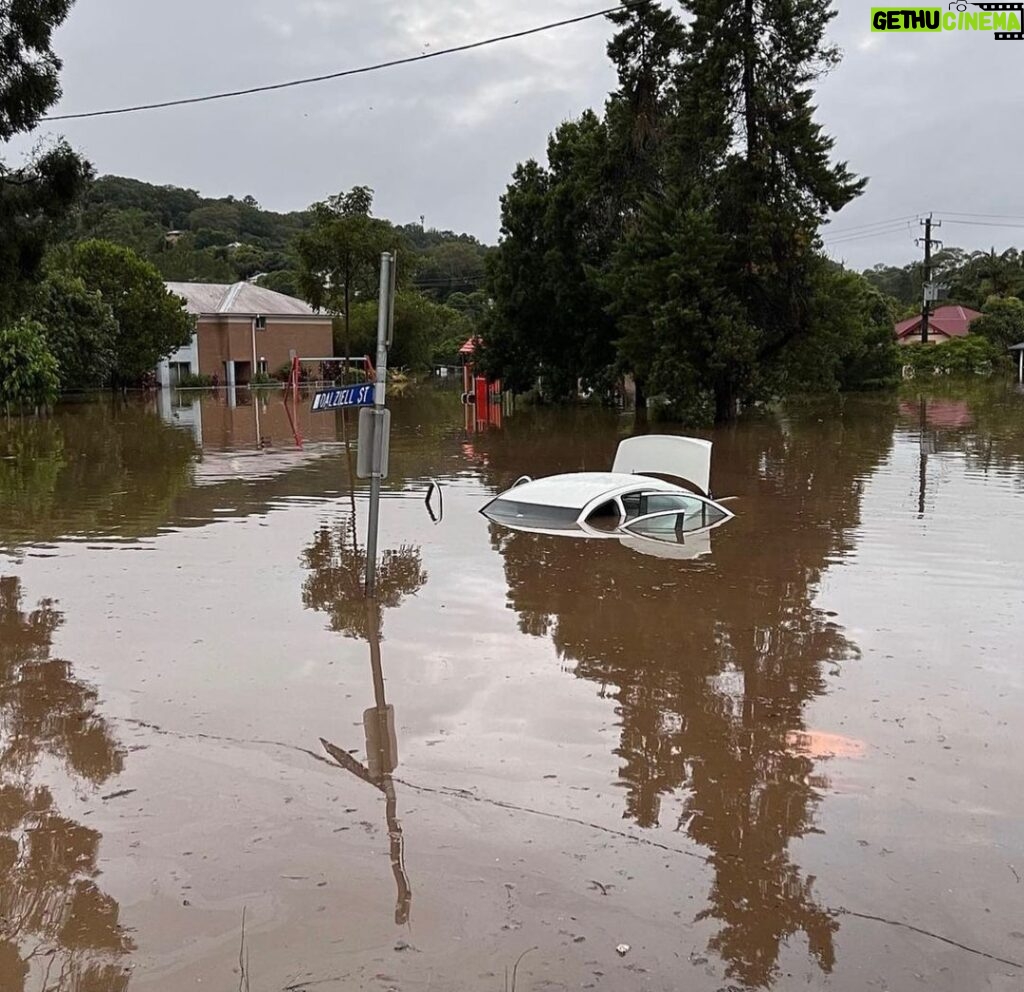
[(576, 489)]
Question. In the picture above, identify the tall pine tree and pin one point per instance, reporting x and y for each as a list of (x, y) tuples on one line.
[(747, 78)]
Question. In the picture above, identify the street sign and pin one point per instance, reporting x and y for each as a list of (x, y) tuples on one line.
[(348, 396), (374, 429)]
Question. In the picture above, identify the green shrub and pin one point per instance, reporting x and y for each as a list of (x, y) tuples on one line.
[(972, 355), (264, 379), (29, 374), (194, 381)]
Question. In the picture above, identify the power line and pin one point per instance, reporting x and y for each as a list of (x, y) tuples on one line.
[(960, 213), (877, 223), (882, 232), (186, 101), (982, 223)]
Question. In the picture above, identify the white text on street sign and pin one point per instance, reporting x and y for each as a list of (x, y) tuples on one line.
[(337, 399)]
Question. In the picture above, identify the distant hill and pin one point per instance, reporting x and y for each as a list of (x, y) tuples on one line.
[(192, 238)]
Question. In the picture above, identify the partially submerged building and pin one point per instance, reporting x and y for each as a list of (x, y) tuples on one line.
[(242, 329)]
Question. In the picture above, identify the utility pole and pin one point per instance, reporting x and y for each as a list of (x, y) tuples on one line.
[(926, 310), (385, 328)]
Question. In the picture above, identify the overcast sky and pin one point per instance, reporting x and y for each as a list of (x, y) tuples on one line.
[(933, 120)]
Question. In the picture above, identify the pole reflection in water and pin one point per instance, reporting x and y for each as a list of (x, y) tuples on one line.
[(58, 930), (381, 761), (337, 567)]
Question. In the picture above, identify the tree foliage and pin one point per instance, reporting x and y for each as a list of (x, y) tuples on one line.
[(28, 371), (80, 330), (425, 332), (151, 322), (339, 256), (676, 237), (35, 198), (1002, 321)]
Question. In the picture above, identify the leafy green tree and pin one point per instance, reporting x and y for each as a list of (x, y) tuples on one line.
[(550, 318), (282, 281), (1002, 322), (28, 371), (984, 274), (151, 322), (851, 344), (34, 199), (425, 331), (339, 256), (80, 330), (457, 266)]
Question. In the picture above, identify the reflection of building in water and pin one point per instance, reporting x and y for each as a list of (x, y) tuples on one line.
[(713, 663), (230, 419), (250, 433), (58, 929)]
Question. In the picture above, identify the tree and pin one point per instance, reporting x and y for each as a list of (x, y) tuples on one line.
[(425, 331), (746, 132), (550, 319), (151, 322), (80, 330), (851, 344), (36, 198), (28, 371), (1002, 322), (457, 266), (339, 256)]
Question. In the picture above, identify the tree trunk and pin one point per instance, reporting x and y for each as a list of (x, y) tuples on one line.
[(749, 82), (640, 401), (725, 403)]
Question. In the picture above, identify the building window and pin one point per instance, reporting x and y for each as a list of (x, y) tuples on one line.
[(261, 323)]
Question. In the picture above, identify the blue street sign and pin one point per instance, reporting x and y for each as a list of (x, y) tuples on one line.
[(336, 399)]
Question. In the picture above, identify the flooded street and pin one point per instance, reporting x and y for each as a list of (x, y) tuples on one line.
[(790, 761)]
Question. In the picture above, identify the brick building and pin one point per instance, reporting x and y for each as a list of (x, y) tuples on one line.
[(242, 329)]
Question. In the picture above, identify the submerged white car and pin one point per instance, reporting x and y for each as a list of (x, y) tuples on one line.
[(634, 502)]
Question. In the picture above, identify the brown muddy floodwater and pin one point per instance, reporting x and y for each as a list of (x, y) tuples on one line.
[(793, 762)]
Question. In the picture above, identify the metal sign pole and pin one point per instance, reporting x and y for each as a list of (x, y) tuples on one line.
[(383, 335)]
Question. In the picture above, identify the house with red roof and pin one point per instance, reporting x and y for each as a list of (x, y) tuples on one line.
[(944, 324)]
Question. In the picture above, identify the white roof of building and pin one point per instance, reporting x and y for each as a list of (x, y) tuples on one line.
[(240, 299)]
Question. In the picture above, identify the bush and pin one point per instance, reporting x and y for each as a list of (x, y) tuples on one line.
[(972, 355), (194, 381), (29, 374), (264, 379)]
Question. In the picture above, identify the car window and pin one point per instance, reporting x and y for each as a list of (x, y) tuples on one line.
[(680, 521), (640, 503), (532, 514)]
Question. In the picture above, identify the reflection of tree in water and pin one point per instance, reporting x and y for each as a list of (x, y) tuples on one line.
[(93, 468), (713, 663), (55, 922), (337, 567)]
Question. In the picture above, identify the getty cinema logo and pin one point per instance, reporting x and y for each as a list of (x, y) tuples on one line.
[(1004, 19)]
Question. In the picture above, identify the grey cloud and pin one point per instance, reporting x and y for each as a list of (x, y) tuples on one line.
[(924, 116)]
